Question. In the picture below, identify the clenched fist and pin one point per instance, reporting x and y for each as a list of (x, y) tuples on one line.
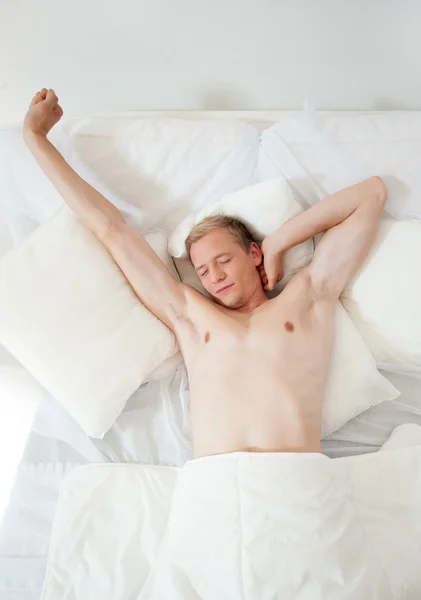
[(43, 113)]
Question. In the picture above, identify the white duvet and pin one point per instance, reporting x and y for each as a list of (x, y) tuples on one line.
[(241, 526)]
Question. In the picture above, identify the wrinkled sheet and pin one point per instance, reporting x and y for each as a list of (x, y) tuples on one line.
[(243, 525)]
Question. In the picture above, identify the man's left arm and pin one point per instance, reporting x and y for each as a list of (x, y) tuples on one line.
[(350, 219)]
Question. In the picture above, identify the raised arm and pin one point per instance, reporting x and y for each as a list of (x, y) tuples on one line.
[(350, 219), (146, 273)]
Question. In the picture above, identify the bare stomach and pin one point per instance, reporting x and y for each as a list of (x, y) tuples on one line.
[(250, 407)]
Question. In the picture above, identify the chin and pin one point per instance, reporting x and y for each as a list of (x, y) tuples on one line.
[(233, 302)]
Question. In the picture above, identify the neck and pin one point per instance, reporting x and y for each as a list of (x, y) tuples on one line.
[(256, 299)]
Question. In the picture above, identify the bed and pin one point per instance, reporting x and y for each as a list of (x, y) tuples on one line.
[(332, 149)]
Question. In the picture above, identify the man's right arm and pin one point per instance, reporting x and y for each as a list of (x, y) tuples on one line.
[(146, 273), (148, 276)]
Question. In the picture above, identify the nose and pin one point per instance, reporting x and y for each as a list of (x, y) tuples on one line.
[(217, 274)]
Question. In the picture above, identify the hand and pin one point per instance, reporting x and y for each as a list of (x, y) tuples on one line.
[(43, 113), (271, 270)]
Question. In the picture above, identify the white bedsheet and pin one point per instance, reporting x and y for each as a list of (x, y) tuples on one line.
[(154, 428), (256, 526)]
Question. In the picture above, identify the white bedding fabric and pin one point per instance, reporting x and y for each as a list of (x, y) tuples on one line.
[(154, 428), (324, 152), (69, 315), (384, 298), (255, 526)]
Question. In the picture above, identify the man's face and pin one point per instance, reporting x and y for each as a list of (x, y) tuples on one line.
[(227, 272)]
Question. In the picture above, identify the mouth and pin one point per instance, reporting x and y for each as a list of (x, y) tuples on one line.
[(224, 289)]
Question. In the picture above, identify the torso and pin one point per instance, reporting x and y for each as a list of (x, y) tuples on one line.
[(257, 380)]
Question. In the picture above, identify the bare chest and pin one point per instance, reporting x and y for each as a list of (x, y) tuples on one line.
[(276, 335)]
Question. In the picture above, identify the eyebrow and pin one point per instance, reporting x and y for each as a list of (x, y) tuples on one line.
[(213, 258)]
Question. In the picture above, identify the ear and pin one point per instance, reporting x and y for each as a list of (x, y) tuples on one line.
[(256, 254)]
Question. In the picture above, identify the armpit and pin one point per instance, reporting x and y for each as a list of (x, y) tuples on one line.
[(183, 324), (315, 291)]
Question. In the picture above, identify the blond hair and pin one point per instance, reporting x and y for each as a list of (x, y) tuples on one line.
[(231, 224)]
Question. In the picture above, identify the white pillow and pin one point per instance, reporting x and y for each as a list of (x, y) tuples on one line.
[(384, 298), (321, 153), (68, 314), (354, 383), (155, 170)]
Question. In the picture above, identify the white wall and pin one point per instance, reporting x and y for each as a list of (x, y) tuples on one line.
[(105, 55)]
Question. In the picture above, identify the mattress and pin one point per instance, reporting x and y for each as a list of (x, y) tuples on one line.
[(154, 427)]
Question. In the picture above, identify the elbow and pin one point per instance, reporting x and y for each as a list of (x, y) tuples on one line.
[(105, 226), (114, 223), (379, 189)]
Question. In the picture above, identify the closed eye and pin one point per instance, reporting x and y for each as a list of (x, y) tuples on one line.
[(225, 261), (203, 273)]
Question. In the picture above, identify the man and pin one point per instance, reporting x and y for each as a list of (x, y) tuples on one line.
[(257, 367)]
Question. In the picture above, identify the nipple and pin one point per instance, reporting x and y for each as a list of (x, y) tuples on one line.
[(289, 326), (207, 337)]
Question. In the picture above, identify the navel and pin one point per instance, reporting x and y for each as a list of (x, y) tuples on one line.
[(207, 337), (289, 326)]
